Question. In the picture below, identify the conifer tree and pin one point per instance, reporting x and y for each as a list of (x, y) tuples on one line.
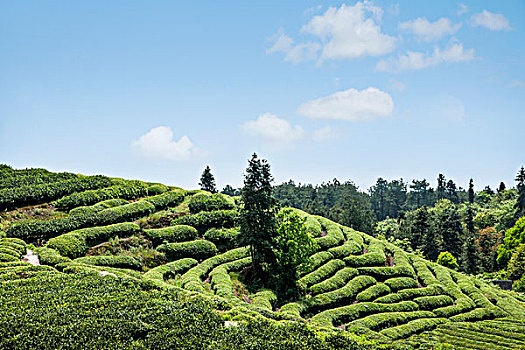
[(501, 187), (471, 191), (520, 187), (207, 182), (258, 222), (440, 190)]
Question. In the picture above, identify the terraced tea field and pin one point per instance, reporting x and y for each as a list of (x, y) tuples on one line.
[(354, 284)]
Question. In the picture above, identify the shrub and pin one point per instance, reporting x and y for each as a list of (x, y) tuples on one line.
[(8, 257), (423, 272), (128, 190), (118, 261), (338, 280), (221, 282), (373, 292), (321, 273), (157, 189), (224, 238), (348, 248), (128, 212), (375, 257), (446, 259), (76, 243), (165, 200), (315, 261), (334, 234), (205, 202), (398, 283), (170, 270), (413, 327), (11, 198), (433, 302), (384, 272), (49, 256), (110, 203), (199, 249), (176, 233), (203, 221), (388, 319), (264, 299)]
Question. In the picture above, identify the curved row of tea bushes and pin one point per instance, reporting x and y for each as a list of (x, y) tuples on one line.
[(380, 321), (338, 280), (49, 256), (348, 313), (31, 177), (192, 279), (375, 256), (384, 272), (118, 261), (334, 234), (167, 199), (373, 292), (346, 249), (210, 202), (221, 283), (199, 249), (411, 293), (433, 302), (36, 229), (423, 273), (315, 261), (205, 220), (178, 233), (95, 208), (468, 287), (171, 269), (224, 238), (157, 189), (321, 273), (413, 327), (75, 244), (11, 249), (101, 271), (127, 190), (11, 198), (313, 227), (264, 299), (398, 283)]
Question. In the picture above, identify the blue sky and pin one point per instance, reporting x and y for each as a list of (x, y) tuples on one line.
[(355, 90)]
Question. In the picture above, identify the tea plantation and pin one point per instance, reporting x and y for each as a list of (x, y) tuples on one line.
[(133, 265)]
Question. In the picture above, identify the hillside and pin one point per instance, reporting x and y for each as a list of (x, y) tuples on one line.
[(128, 264)]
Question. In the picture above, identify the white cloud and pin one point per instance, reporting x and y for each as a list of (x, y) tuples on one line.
[(462, 8), (271, 128), (158, 143), (418, 60), (429, 31), (293, 53), (350, 32), (351, 105), (492, 21), (324, 133)]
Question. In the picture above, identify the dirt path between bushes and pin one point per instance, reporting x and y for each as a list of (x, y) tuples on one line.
[(31, 258)]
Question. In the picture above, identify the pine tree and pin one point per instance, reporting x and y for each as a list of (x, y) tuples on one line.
[(440, 190), (471, 191), (520, 187), (257, 220), (451, 191), (469, 258), (207, 182), (501, 187)]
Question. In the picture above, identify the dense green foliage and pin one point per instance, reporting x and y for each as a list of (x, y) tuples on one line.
[(204, 202)]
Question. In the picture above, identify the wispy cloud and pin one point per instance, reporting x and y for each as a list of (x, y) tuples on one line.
[(492, 21), (293, 53), (419, 60), (429, 31), (352, 105), (462, 8), (158, 143)]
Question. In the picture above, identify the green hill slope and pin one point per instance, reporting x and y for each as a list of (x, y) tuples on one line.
[(176, 244)]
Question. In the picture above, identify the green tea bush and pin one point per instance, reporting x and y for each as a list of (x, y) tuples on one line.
[(76, 243), (49, 256), (178, 233), (170, 270), (224, 238), (321, 273), (346, 249), (8, 257), (204, 202), (338, 280), (373, 292), (199, 249), (221, 282), (398, 283), (157, 189), (423, 272), (166, 200), (334, 234), (11, 198), (128, 190), (384, 272), (205, 220), (388, 319), (375, 256), (119, 261), (413, 327), (28, 177), (264, 299), (433, 302), (95, 208), (315, 261)]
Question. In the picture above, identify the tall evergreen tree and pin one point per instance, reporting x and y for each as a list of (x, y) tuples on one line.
[(501, 187), (419, 193), (447, 228), (378, 198), (207, 182), (440, 190), (451, 192), (258, 221), (520, 200), (471, 191), (469, 258)]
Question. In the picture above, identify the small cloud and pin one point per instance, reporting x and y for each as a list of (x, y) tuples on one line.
[(324, 133), (397, 86), (462, 8), (293, 53), (350, 32), (158, 143), (418, 60), (518, 83), (429, 31), (268, 127), (492, 21), (352, 105)]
